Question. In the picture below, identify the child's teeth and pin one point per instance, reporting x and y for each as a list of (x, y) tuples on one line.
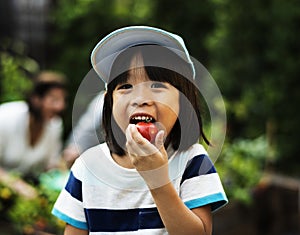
[(143, 118)]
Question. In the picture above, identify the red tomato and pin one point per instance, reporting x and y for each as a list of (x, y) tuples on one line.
[(148, 130)]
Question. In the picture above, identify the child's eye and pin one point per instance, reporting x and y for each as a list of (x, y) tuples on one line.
[(124, 86), (158, 85)]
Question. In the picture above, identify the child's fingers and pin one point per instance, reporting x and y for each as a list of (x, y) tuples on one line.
[(134, 141), (159, 139), (137, 145)]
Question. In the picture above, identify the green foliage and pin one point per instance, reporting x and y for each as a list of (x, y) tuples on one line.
[(30, 216), (241, 165), (193, 20), (254, 56), (14, 81), (7, 198)]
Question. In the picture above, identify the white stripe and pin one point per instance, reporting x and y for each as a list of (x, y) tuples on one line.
[(103, 196), (70, 206), (201, 186)]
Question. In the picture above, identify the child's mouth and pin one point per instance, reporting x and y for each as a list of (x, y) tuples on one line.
[(141, 118)]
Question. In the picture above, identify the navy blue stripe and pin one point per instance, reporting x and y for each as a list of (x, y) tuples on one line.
[(199, 165), (74, 187), (105, 220)]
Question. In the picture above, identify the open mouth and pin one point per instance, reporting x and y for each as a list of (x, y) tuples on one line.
[(141, 118)]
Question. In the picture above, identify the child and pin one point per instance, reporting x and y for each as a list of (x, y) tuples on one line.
[(132, 185)]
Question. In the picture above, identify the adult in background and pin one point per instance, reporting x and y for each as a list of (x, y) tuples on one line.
[(30, 133)]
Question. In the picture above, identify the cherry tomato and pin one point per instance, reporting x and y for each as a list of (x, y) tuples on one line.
[(148, 130)]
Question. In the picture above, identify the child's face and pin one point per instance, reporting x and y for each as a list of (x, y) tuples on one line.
[(141, 98)]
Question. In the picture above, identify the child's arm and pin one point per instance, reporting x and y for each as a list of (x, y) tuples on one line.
[(70, 230), (177, 218), (152, 164)]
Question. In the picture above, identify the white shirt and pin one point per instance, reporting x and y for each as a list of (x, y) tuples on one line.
[(16, 154), (105, 198)]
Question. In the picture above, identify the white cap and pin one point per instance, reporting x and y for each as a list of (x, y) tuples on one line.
[(105, 52)]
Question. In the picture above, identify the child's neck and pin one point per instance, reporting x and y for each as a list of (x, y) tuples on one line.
[(123, 161)]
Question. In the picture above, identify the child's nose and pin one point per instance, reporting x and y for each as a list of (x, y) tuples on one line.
[(142, 96)]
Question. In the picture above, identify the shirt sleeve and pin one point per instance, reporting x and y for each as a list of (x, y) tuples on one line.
[(69, 206), (201, 185)]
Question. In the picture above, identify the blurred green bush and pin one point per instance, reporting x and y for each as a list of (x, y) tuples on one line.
[(241, 165), (14, 73), (30, 216)]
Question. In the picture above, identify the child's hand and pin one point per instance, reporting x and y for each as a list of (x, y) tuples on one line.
[(150, 160)]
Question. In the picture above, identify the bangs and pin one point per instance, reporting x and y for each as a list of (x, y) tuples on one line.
[(157, 74), (160, 63), (162, 75)]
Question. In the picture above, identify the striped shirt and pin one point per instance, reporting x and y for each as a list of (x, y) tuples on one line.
[(105, 198)]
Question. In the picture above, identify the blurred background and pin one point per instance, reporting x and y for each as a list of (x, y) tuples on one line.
[(251, 49)]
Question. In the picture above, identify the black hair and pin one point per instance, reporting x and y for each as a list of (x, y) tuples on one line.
[(161, 64)]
